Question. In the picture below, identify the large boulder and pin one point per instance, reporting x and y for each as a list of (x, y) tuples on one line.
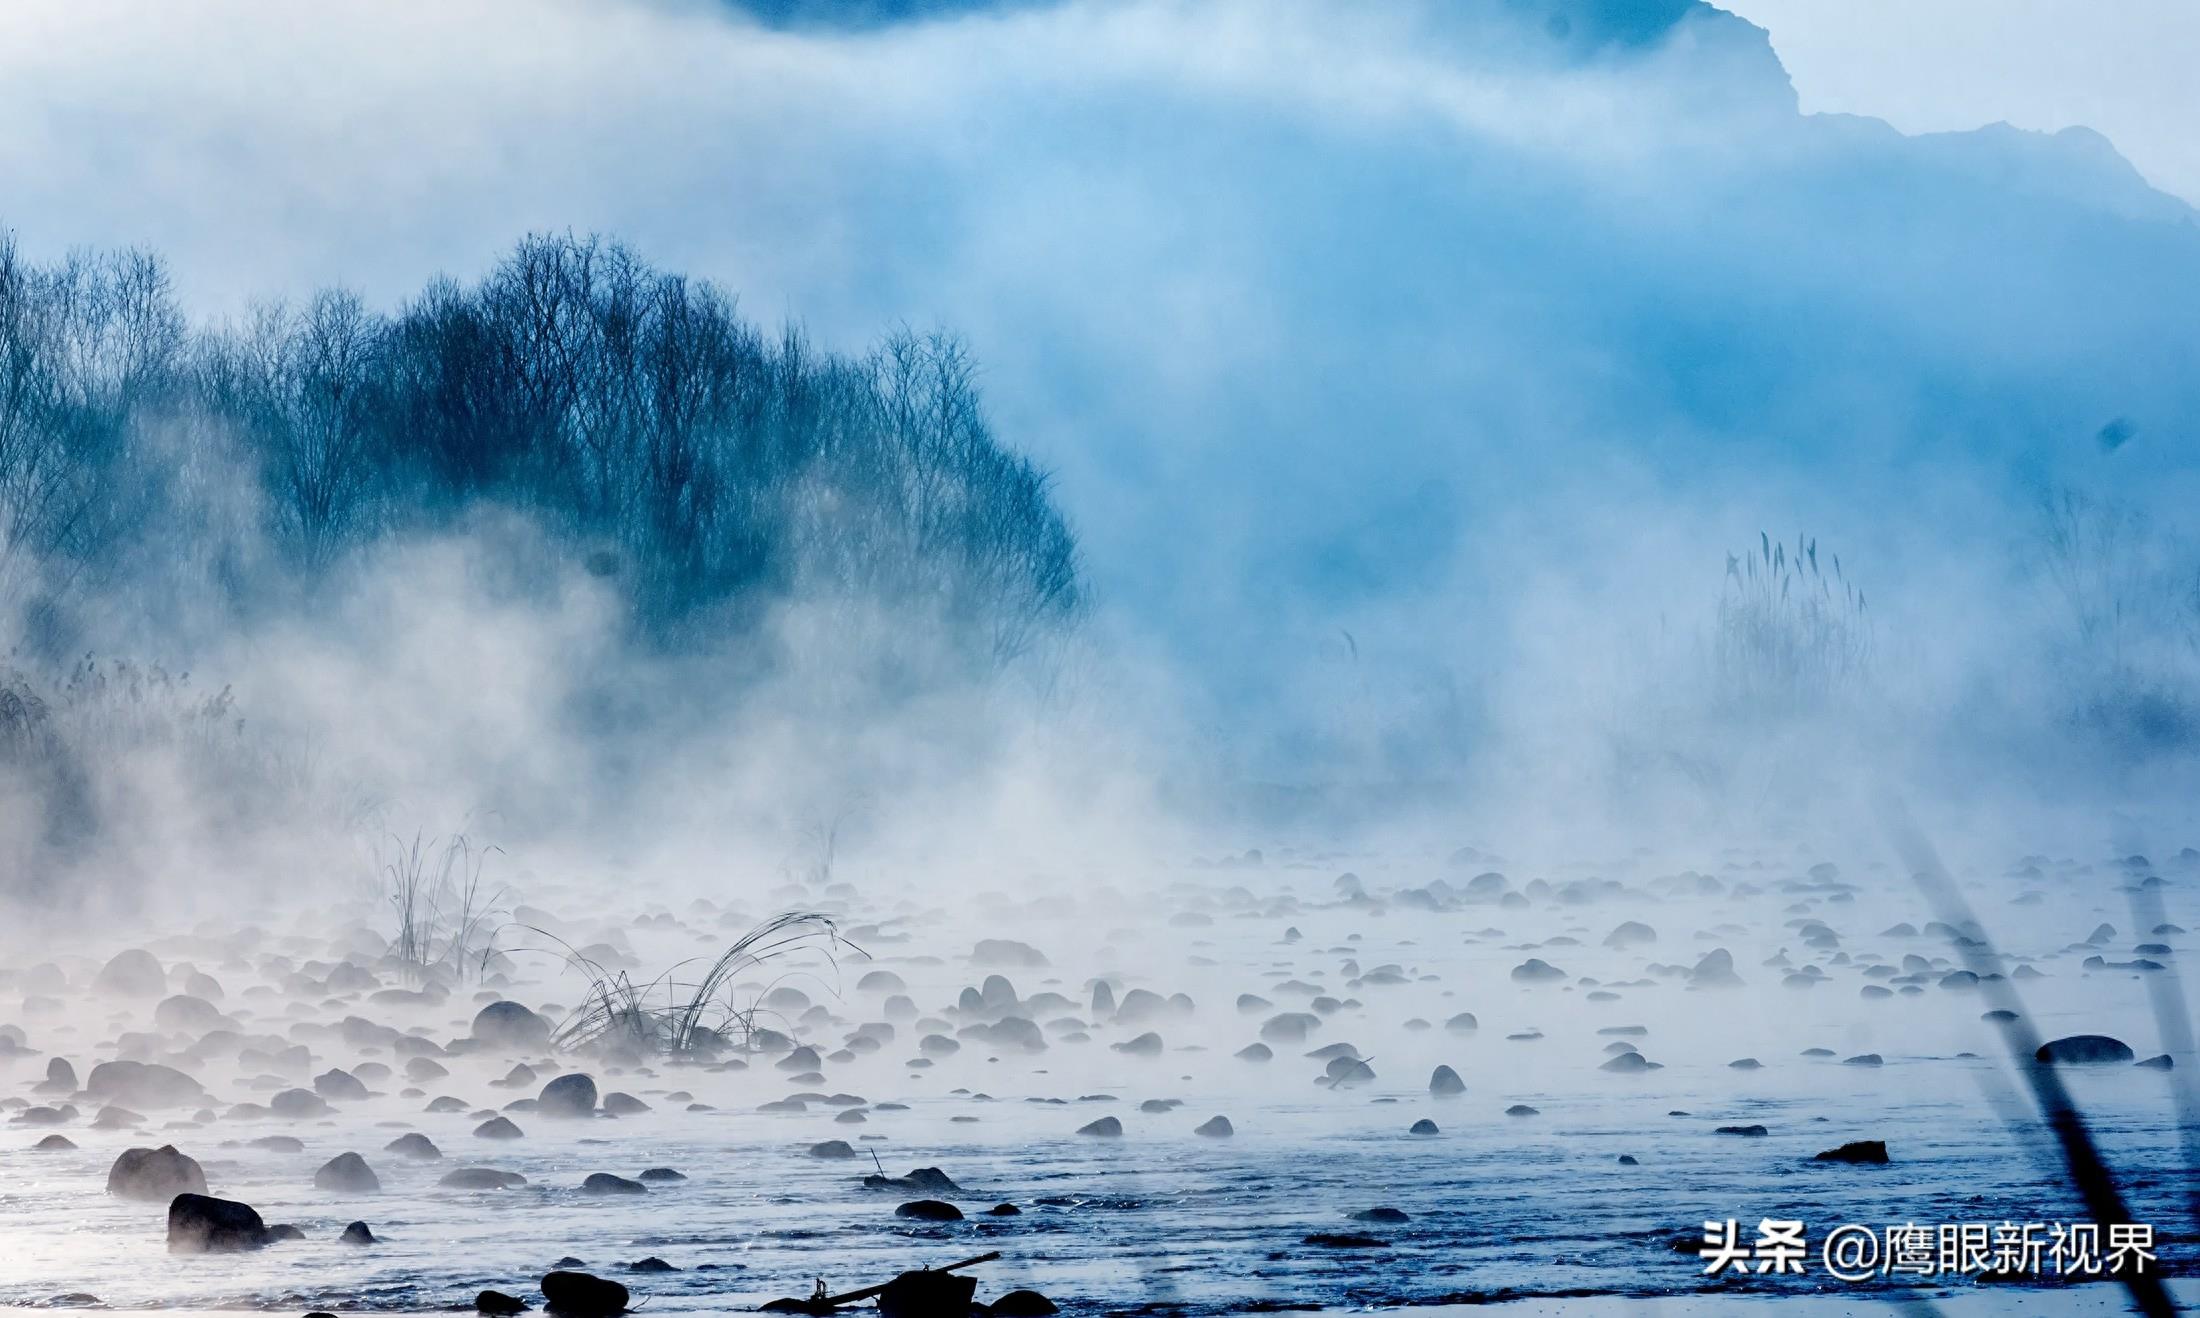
[(512, 1026), (299, 1104), (2084, 1050), (143, 1085), (337, 1083), (571, 1095), (200, 1224), (925, 1293), (133, 973), (156, 1175), (186, 1014), (347, 1173), (581, 1295)]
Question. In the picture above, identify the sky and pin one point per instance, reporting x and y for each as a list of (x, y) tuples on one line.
[(2122, 68)]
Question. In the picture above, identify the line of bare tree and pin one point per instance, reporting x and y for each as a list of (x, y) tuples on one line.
[(708, 466)]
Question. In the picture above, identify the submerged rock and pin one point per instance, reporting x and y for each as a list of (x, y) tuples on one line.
[(481, 1178), (1023, 1304), (1856, 1151), (930, 1210), (1215, 1127), (606, 1183), (1106, 1127)]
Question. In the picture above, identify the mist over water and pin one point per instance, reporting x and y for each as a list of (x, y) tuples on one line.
[(1287, 508)]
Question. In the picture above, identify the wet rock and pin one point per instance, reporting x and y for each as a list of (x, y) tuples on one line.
[(832, 1149), (923, 1179), (278, 1144), (1864, 1059), (1338, 1240), (2158, 1062), (2084, 1050), (927, 1294), (185, 1014), (1006, 953), (156, 1175), (499, 1305), (606, 1183), (133, 973), (1463, 1023), (62, 1143), (1628, 1160), (662, 1176), (339, 1085), (1856, 1151), (357, 1233), (1445, 1083), (1216, 1127), (571, 1095), (1004, 1210), (1023, 1304), (880, 981), (1522, 1110), (413, 1144), (143, 1085), (1629, 1064), (299, 1105), (1535, 970), (1347, 1071), (200, 1224), (1714, 970), (582, 1295), (497, 1128), (1254, 1052), (1745, 1064), (1145, 1045), (481, 1178), (1752, 1131), (650, 1264), (929, 1210), (1105, 1127), (1631, 933), (1424, 1127), (60, 1077), (1386, 1216), (623, 1105), (347, 1173), (1290, 1027)]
